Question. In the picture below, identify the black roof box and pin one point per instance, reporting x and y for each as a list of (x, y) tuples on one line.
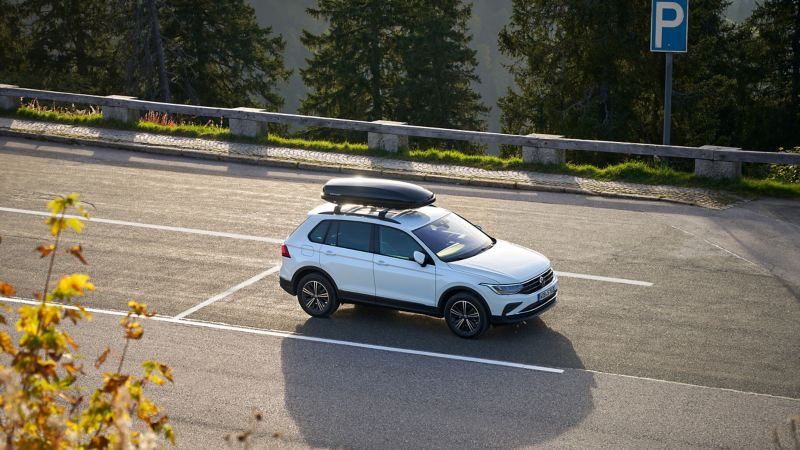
[(374, 192)]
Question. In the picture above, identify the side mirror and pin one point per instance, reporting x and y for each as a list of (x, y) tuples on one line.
[(420, 258)]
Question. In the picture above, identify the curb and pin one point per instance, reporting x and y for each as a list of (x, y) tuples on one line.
[(317, 167)]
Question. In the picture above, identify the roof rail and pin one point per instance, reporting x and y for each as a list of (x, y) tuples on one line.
[(337, 210)]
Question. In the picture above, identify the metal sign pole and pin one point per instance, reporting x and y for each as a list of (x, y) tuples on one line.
[(667, 97)]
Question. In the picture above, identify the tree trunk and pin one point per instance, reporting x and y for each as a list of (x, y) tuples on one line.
[(795, 101), (163, 80), (375, 62), (80, 41)]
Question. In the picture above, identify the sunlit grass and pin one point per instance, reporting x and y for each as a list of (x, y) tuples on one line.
[(630, 171), (27, 112), (319, 145)]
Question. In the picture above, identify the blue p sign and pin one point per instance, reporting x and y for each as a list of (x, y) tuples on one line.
[(669, 25)]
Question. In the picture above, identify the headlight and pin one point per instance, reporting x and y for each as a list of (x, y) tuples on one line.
[(505, 289)]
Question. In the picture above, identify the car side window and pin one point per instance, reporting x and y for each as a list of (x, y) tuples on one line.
[(317, 235), (352, 235), (397, 243), (332, 234)]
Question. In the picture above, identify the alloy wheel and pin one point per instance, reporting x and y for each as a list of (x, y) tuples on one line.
[(465, 317), (315, 296)]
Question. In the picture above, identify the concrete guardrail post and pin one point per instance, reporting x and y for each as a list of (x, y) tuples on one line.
[(710, 161), (544, 155), (717, 169), (8, 101), (120, 113), (246, 127), (387, 142)]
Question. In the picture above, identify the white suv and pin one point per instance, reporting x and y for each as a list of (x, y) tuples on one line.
[(398, 254)]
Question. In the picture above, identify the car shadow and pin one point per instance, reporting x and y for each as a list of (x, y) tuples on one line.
[(341, 396)]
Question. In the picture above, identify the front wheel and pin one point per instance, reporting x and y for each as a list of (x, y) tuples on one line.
[(466, 316), (316, 296)]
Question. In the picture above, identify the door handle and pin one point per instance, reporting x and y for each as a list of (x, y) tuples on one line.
[(330, 252), (381, 262)]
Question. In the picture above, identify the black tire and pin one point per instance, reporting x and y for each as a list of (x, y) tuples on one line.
[(466, 316), (317, 296)]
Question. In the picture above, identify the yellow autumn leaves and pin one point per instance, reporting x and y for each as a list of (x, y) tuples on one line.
[(41, 405), (58, 221), (59, 204), (74, 285)]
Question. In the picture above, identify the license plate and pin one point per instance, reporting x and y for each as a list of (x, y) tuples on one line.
[(548, 292)]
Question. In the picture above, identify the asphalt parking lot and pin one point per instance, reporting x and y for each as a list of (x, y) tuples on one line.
[(652, 294)]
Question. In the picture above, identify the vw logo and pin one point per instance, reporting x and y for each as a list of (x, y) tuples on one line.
[(541, 280)]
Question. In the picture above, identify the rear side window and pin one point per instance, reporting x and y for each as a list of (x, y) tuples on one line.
[(355, 235), (352, 235), (318, 233), (396, 243)]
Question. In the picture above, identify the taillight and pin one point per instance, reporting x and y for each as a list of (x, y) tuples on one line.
[(285, 251)]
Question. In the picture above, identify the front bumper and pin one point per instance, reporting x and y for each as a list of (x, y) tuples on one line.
[(541, 307), (517, 308)]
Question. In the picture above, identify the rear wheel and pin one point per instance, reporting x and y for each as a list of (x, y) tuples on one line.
[(466, 316), (316, 296)]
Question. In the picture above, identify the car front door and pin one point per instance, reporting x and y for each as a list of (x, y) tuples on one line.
[(345, 255), (397, 276)]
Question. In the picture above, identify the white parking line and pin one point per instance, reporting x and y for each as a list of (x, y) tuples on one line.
[(608, 279), (244, 237), (300, 337), (280, 241), (230, 291), (290, 335), (714, 245)]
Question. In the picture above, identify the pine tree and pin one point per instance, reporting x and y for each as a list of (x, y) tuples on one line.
[(584, 69), (707, 103), (145, 71), (774, 77), (217, 54), (143, 56), (354, 64), (71, 44), (395, 60), (436, 89), (196, 51), (13, 64)]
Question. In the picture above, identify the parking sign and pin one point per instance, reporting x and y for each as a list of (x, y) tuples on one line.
[(669, 26)]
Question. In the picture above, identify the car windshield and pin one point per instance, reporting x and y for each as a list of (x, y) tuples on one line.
[(453, 238)]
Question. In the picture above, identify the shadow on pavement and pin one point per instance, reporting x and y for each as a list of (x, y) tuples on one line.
[(349, 397)]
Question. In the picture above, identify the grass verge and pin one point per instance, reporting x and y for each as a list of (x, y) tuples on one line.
[(630, 171)]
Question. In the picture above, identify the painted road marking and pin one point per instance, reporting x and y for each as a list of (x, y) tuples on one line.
[(244, 237), (300, 337), (608, 279), (280, 241), (289, 335), (227, 293), (714, 245), (169, 163)]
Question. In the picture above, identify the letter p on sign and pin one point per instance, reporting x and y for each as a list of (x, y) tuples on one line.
[(669, 25)]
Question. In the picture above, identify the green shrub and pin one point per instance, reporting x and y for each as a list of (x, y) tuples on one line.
[(787, 173)]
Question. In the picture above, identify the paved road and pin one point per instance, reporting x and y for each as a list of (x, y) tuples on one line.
[(721, 315)]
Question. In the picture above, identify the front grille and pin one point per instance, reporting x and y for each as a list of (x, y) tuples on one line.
[(537, 282)]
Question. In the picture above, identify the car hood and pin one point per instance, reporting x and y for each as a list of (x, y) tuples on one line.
[(504, 263)]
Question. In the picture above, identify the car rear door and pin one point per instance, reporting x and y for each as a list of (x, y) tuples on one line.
[(346, 256), (397, 276)]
